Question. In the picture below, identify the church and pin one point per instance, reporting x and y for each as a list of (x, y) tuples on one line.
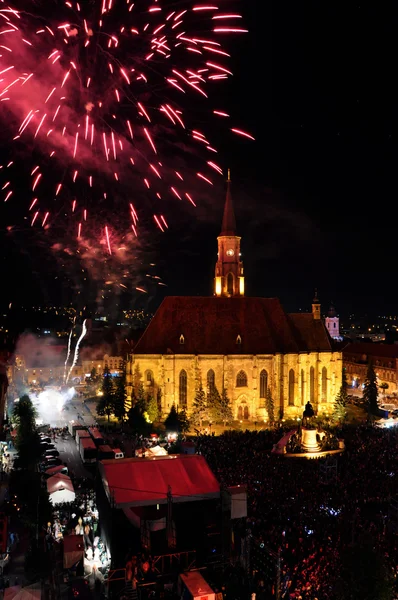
[(241, 344)]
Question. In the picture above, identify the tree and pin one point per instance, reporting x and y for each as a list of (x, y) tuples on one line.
[(159, 401), (269, 406), (183, 421), (220, 406), (106, 404), (152, 409), (172, 423), (27, 441), (370, 390), (120, 397), (199, 406), (137, 421), (340, 411)]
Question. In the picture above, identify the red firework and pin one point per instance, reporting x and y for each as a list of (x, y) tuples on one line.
[(93, 87)]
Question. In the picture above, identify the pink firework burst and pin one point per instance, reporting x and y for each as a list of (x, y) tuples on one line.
[(99, 92)]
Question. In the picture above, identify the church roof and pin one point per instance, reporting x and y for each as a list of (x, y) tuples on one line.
[(228, 226), (238, 325)]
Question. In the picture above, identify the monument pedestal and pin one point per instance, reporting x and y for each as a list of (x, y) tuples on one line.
[(309, 441)]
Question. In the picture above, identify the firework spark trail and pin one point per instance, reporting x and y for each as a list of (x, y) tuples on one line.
[(76, 354), (96, 87), (69, 347)]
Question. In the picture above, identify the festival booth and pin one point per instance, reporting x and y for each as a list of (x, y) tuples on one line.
[(152, 499), (151, 452), (60, 489)]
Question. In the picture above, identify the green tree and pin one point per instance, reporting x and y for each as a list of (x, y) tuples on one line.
[(106, 404), (269, 406), (137, 421), (200, 411), (152, 409), (370, 390), (172, 423), (213, 404), (120, 397), (340, 411), (27, 441), (159, 401), (94, 377), (183, 421), (220, 407)]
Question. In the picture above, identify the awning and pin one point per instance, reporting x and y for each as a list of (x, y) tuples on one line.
[(146, 481)]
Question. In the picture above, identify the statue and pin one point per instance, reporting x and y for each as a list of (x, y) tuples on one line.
[(308, 414)]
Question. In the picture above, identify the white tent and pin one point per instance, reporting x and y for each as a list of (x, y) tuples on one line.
[(150, 452), (60, 489)]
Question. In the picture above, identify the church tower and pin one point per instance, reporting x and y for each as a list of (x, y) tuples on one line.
[(332, 323), (316, 306), (229, 279)]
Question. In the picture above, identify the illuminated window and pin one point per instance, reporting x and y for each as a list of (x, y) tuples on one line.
[(302, 386), (324, 384), (211, 379), (182, 339), (312, 384), (149, 377), (183, 388), (263, 383), (291, 387), (241, 379)]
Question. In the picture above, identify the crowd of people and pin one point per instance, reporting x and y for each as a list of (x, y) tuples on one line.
[(325, 521)]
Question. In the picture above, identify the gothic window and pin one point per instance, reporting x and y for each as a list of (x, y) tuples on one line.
[(324, 384), (334, 325), (238, 339), (230, 283), (263, 384), (291, 387), (211, 380), (182, 339), (149, 377), (302, 386), (183, 388), (312, 385), (241, 379)]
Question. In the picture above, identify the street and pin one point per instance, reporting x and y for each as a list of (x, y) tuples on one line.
[(67, 448)]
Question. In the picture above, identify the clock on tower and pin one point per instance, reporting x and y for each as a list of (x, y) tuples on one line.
[(229, 280)]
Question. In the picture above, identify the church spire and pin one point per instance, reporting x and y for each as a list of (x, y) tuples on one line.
[(229, 279), (228, 221)]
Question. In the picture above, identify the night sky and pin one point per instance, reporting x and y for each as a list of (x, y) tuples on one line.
[(315, 195)]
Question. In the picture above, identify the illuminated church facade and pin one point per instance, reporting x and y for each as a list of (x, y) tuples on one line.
[(241, 344)]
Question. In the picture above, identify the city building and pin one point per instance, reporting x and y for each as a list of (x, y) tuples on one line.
[(332, 324), (384, 357), (241, 344)]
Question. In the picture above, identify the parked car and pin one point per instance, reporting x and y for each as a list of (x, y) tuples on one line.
[(51, 452), (45, 439)]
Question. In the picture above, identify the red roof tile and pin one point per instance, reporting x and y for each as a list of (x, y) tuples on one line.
[(212, 325)]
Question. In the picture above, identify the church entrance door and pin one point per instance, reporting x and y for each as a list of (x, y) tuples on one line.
[(246, 413), (240, 413)]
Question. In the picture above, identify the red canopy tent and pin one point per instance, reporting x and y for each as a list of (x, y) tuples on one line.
[(146, 481)]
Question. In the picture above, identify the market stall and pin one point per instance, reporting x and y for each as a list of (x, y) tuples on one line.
[(60, 489)]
